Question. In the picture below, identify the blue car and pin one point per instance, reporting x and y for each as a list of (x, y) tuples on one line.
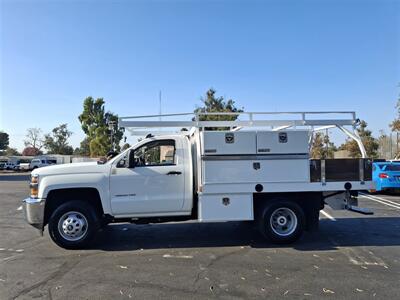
[(386, 176)]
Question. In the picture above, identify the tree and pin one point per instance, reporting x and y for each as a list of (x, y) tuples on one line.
[(100, 127), (4, 140), (84, 148), (370, 143), (56, 142), (34, 138), (11, 152), (329, 147), (31, 151), (317, 147), (395, 125), (322, 147), (125, 146), (217, 104)]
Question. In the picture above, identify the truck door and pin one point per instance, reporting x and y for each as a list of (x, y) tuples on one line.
[(153, 185)]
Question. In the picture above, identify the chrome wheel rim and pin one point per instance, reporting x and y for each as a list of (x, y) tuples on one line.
[(73, 226), (283, 221)]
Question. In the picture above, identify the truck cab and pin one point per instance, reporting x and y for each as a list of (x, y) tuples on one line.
[(152, 179)]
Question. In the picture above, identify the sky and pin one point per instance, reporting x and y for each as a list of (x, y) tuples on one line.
[(298, 55)]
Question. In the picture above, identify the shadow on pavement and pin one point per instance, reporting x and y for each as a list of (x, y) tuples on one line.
[(395, 192), (346, 232)]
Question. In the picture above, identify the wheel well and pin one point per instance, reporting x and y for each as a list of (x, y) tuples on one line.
[(56, 197), (310, 202)]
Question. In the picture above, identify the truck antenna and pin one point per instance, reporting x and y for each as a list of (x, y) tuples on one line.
[(159, 99)]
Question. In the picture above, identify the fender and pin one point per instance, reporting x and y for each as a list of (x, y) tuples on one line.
[(99, 181)]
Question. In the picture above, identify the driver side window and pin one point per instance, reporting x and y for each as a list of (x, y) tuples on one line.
[(157, 153)]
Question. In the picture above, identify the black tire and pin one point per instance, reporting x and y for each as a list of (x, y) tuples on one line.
[(277, 209), (90, 218)]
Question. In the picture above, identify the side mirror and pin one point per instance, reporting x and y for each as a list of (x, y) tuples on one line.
[(102, 161), (131, 160)]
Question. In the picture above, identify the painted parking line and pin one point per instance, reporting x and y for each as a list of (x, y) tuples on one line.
[(177, 256), (327, 215), (381, 200)]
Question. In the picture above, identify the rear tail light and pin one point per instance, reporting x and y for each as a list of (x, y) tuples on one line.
[(383, 175)]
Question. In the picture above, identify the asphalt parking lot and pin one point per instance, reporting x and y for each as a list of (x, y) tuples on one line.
[(351, 256)]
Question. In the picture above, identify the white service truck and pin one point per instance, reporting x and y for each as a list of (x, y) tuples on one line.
[(241, 173), (39, 162)]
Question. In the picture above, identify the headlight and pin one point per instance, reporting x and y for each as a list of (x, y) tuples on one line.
[(34, 186)]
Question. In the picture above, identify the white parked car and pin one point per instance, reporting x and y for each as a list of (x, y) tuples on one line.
[(24, 166), (264, 176), (38, 163), (11, 166)]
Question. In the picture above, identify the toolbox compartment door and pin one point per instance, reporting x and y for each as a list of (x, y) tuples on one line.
[(229, 143), (283, 142)]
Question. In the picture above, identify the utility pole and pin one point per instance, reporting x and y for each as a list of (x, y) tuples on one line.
[(327, 143), (111, 127), (159, 100), (391, 146)]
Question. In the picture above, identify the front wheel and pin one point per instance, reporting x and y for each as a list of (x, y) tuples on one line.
[(282, 221), (73, 225)]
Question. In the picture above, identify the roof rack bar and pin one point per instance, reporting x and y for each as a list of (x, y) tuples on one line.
[(139, 122), (256, 123), (157, 116), (251, 114)]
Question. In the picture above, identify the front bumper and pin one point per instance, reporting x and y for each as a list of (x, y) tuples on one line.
[(34, 212)]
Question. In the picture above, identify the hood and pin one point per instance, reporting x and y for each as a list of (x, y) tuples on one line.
[(73, 168)]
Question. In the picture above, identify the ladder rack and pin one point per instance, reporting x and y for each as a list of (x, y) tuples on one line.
[(136, 124)]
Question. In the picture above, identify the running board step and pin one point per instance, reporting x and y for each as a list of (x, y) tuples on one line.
[(361, 210)]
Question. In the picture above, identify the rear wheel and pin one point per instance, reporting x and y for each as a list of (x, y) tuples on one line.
[(282, 221), (73, 225)]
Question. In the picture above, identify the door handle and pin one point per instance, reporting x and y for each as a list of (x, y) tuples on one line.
[(174, 173)]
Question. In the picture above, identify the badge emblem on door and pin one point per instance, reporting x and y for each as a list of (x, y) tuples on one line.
[(226, 201), (229, 138), (282, 137)]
